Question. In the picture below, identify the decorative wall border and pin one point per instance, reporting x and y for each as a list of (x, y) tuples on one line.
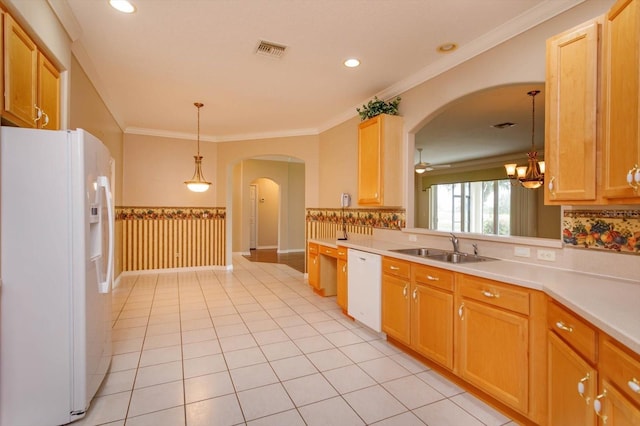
[(614, 230), (383, 218), (160, 213)]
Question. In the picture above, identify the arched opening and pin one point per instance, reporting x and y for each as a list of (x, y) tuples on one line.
[(267, 205)]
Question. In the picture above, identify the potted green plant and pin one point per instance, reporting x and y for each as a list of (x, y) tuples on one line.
[(376, 107)]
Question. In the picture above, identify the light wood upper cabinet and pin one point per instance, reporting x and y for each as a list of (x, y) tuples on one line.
[(20, 74), (48, 94), (621, 150), (379, 161), (571, 114), (31, 81)]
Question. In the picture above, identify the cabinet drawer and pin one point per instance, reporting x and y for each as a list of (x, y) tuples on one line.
[(494, 293), (621, 368), (328, 251), (435, 277), (396, 267), (572, 329), (341, 252), (313, 248)]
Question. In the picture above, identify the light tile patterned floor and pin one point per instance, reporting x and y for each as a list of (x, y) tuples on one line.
[(256, 346)]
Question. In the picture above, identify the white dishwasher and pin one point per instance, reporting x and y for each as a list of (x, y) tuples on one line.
[(364, 288)]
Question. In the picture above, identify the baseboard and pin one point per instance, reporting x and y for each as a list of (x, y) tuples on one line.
[(185, 269)]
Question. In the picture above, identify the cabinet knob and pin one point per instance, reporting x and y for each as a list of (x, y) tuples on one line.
[(634, 385), (633, 178), (46, 119), (394, 268), (415, 294), (461, 311), (552, 188), (38, 114), (490, 294), (597, 406), (581, 387), (562, 326), (431, 278), (404, 291)]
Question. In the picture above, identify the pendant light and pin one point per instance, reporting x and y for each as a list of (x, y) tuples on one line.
[(420, 167), (530, 176), (198, 183)]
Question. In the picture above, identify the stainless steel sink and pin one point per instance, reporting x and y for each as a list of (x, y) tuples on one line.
[(422, 252), (442, 255), (459, 258)]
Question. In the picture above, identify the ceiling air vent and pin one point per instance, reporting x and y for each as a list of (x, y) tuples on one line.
[(273, 50)]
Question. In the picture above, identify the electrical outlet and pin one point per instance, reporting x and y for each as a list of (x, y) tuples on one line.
[(548, 255), (413, 237), (522, 251)]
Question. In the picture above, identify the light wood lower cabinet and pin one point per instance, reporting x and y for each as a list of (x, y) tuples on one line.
[(396, 307), (572, 385), (613, 408), (313, 266), (493, 350), (432, 313)]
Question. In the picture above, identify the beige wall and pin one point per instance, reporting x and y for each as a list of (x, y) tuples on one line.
[(88, 111), (521, 59), (155, 169)]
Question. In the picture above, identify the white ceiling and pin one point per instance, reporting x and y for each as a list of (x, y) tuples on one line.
[(151, 66)]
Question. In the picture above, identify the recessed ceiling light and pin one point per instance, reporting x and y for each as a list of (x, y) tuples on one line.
[(447, 47), (351, 63), (123, 6)]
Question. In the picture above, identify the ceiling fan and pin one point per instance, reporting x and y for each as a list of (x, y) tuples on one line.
[(422, 167)]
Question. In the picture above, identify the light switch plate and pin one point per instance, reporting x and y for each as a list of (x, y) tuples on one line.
[(522, 251), (413, 237)]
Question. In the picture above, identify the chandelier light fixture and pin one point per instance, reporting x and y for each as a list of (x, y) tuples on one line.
[(421, 167), (530, 176), (198, 183)]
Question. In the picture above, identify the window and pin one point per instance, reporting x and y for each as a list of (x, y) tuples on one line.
[(482, 207)]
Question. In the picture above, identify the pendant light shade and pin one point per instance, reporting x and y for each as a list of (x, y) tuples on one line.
[(198, 183), (530, 176)]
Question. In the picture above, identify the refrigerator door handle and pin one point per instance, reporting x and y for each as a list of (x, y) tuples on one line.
[(103, 181)]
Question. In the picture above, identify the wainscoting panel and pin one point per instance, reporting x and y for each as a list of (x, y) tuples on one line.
[(162, 238)]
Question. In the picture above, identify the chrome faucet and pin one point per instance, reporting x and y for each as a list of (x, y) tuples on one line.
[(454, 241)]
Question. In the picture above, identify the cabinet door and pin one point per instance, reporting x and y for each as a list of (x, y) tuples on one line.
[(341, 287), (48, 94), (432, 323), (370, 158), (569, 374), (20, 77), (621, 150), (571, 105), (614, 408), (493, 352), (396, 316), (314, 270)]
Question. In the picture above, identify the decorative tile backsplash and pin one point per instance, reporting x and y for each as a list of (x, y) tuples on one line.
[(377, 218), (617, 230), (154, 213)]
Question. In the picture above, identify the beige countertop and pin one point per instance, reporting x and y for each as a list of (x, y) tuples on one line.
[(611, 304)]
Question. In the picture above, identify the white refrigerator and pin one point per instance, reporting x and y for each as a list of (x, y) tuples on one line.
[(56, 249)]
